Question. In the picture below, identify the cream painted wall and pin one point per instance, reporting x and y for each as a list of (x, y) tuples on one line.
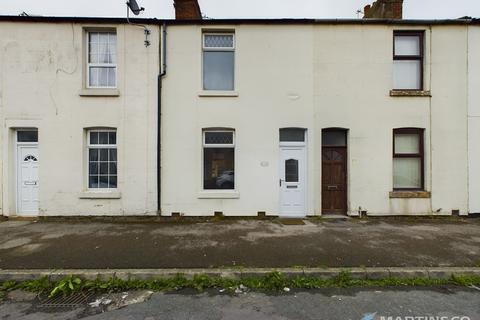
[(342, 76), (41, 76), (474, 118)]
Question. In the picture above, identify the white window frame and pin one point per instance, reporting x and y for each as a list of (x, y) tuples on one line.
[(100, 65), (219, 49), (100, 146), (213, 146)]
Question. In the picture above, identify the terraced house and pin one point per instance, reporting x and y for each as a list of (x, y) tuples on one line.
[(283, 117)]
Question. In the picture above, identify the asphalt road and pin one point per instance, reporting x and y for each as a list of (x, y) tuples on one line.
[(446, 303)]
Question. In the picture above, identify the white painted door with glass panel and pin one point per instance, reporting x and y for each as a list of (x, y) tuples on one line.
[(292, 181), (27, 180)]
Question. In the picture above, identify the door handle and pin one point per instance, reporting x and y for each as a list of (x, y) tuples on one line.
[(30, 183), (332, 187), (280, 181)]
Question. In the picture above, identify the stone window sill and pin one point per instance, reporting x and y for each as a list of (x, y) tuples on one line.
[(207, 93), (410, 194), (100, 195), (218, 195), (99, 93), (410, 93)]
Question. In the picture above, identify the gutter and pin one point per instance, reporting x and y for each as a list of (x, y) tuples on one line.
[(279, 21), (162, 72)]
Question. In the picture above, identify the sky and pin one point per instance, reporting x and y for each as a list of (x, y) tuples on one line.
[(413, 9)]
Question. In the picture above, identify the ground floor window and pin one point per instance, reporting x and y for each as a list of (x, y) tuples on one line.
[(102, 159), (218, 160), (408, 159)]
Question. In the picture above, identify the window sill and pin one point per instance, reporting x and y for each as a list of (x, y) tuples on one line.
[(213, 93), (100, 195), (410, 194), (218, 195), (410, 93), (99, 92)]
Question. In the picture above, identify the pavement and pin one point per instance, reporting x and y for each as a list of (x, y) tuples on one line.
[(446, 303), (319, 243)]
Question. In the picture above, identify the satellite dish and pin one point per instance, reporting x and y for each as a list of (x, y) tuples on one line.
[(133, 5)]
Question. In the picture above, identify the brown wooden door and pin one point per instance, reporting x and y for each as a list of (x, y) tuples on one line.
[(334, 180)]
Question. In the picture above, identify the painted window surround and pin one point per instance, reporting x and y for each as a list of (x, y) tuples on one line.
[(220, 93), (85, 91), (98, 193), (425, 68)]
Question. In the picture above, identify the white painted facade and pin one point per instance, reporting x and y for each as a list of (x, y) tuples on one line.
[(315, 77), (42, 76), (474, 119), (310, 76)]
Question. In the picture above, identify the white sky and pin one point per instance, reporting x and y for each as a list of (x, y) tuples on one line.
[(413, 9)]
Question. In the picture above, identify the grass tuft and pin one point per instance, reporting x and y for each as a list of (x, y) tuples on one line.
[(271, 282)]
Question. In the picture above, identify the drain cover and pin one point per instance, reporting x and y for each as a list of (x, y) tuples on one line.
[(72, 301)]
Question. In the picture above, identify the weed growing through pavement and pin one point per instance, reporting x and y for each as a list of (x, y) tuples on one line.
[(271, 282)]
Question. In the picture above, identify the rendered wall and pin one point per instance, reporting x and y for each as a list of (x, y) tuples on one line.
[(41, 76)]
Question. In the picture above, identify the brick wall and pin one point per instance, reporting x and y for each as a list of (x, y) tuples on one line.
[(384, 9), (187, 10)]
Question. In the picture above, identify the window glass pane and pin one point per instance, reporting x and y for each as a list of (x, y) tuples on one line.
[(218, 41), (103, 137), (407, 173), (218, 70), (93, 168), (112, 168), (292, 135), (218, 137), (103, 154), (112, 138), (93, 154), (334, 138), (113, 181), (93, 137), (407, 143), (407, 45), (218, 168), (406, 74), (113, 154), (103, 181), (103, 168), (102, 76), (291, 170), (27, 136), (93, 181)]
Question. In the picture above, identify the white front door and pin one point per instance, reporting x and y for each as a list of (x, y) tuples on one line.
[(27, 180), (292, 181)]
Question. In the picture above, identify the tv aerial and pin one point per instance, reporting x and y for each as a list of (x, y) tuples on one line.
[(136, 9)]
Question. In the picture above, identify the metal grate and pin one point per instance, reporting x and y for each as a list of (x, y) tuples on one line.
[(72, 301)]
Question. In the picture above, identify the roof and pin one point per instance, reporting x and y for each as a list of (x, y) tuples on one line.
[(111, 20)]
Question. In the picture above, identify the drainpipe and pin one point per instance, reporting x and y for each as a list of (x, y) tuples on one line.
[(162, 72)]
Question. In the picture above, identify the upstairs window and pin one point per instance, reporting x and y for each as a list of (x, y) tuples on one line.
[(408, 60), (102, 60), (408, 159), (218, 61), (102, 159), (218, 160)]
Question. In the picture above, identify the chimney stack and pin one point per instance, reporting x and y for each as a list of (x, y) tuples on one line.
[(384, 9), (187, 10)]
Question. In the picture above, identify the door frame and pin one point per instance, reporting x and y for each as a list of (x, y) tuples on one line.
[(17, 146), (294, 145), (345, 147)]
